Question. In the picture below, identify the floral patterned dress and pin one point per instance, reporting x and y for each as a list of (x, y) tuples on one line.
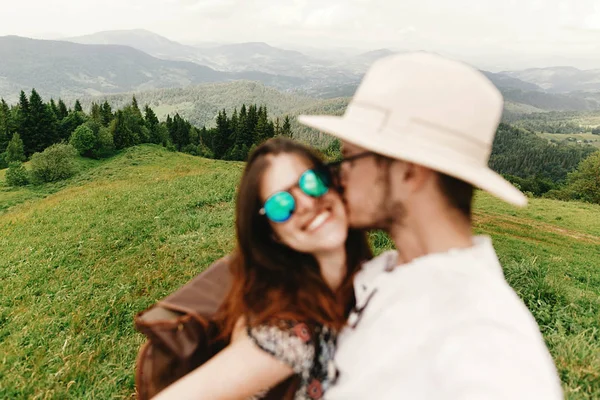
[(308, 350)]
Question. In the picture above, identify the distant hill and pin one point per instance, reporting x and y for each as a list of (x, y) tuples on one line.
[(551, 101), (57, 68), (141, 39), (560, 79), (238, 57), (201, 103), (503, 81), (257, 56), (253, 56), (360, 63)]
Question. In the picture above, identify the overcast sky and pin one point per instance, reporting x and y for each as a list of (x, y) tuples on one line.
[(485, 32)]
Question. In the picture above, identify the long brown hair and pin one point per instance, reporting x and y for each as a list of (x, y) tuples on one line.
[(271, 280)]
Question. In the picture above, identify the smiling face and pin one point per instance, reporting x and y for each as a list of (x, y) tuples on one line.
[(317, 225)]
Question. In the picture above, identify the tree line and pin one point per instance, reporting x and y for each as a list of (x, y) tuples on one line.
[(34, 130), (32, 125), (533, 163)]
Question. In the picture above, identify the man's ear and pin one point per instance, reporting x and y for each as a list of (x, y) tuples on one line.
[(421, 176), (413, 176)]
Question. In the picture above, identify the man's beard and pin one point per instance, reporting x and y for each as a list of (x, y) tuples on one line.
[(387, 213)]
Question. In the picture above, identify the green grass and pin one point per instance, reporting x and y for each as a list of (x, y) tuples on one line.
[(11, 196), (80, 258)]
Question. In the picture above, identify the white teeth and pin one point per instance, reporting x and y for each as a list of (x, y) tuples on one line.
[(318, 221)]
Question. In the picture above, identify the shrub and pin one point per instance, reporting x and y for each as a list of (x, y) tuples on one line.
[(584, 182), (17, 175), (190, 149), (93, 140), (54, 164), (106, 146), (170, 146), (84, 140)]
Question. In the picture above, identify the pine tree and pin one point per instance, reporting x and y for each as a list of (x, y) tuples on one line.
[(121, 131), (15, 151), (77, 107), (50, 122), (270, 129), (135, 107), (107, 114), (233, 129), (152, 124), (62, 110), (68, 125), (260, 131), (220, 140), (36, 115), (5, 125), (286, 130), (241, 127), (44, 127), (169, 122), (250, 128), (134, 104), (206, 138), (179, 131), (54, 108), (277, 127), (96, 112), (24, 123)]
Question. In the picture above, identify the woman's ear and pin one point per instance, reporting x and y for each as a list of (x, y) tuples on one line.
[(275, 238)]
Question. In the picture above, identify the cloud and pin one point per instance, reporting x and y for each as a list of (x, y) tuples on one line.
[(212, 8), (555, 27)]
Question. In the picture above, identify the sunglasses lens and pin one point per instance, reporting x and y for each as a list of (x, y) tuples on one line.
[(279, 207), (313, 183)]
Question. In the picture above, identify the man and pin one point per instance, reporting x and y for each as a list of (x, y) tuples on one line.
[(436, 319)]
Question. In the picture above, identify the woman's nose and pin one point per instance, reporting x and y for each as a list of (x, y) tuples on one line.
[(303, 201)]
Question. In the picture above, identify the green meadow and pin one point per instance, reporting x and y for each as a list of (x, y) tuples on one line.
[(80, 258), (573, 138)]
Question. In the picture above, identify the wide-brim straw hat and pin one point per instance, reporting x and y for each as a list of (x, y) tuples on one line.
[(428, 110)]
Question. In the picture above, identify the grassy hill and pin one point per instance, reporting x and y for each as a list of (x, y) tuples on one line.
[(79, 259)]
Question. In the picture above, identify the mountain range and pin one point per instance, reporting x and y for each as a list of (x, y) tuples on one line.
[(59, 68), (139, 60), (560, 79)]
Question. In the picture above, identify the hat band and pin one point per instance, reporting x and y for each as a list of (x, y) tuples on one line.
[(426, 134)]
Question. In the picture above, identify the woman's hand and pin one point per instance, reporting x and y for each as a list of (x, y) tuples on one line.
[(236, 373)]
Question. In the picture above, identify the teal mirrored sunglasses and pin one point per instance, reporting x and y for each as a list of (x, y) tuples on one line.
[(280, 206)]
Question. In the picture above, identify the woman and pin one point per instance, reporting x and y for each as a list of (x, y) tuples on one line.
[(292, 289)]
